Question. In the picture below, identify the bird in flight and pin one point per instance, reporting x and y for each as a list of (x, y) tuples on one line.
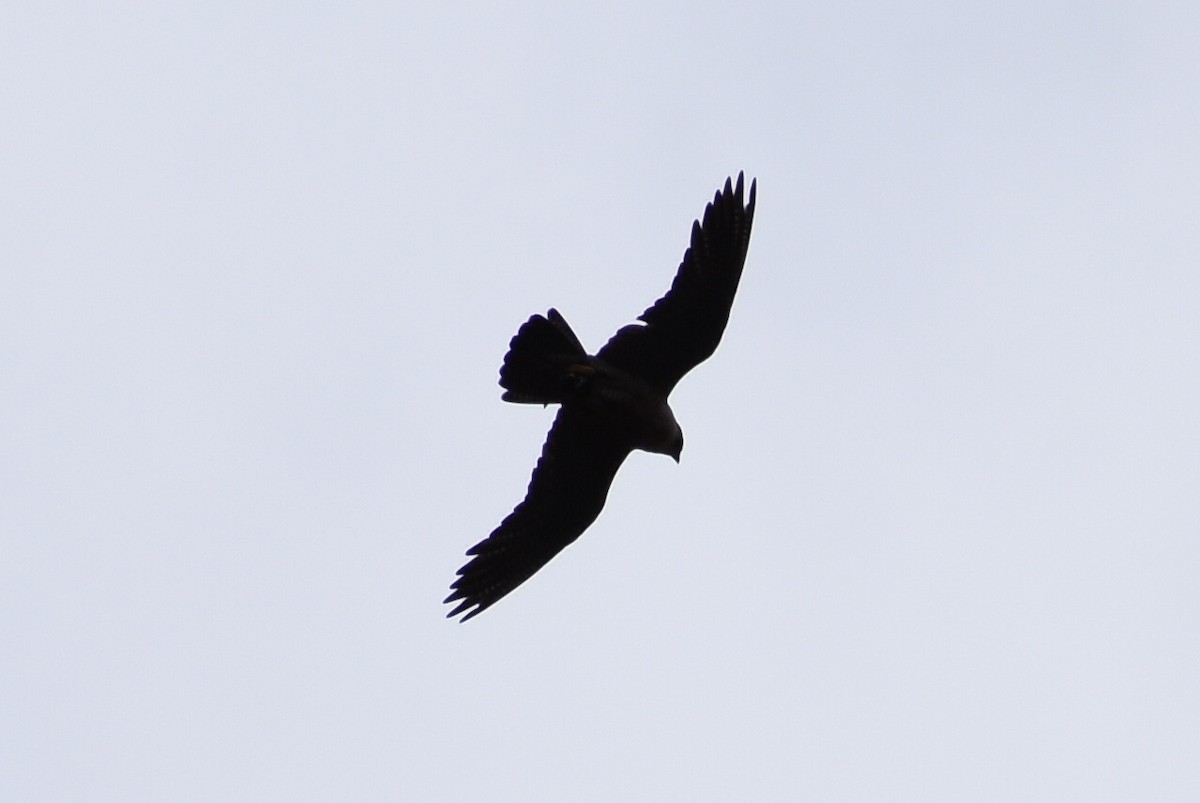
[(611, 403)]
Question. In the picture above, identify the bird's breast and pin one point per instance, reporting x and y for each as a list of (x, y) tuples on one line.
[(626, 409)]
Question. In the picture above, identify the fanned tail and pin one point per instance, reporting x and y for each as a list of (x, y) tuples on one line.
[(541, 361)]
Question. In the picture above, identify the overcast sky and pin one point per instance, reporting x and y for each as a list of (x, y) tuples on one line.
[(936, 530)]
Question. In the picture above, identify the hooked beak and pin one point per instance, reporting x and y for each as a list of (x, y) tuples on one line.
[(676, 450)]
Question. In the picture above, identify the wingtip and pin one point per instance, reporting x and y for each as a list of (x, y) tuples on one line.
[(464, 605), (738, 193), (737, 190)]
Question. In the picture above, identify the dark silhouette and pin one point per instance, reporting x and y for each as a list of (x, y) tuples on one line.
[(612, 403)]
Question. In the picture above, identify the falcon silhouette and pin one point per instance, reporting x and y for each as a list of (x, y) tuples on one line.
[(612, 403)]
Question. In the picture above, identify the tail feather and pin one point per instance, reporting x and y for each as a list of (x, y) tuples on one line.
[(539, 360)]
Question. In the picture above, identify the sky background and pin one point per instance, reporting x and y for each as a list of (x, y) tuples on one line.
[(935, 531)]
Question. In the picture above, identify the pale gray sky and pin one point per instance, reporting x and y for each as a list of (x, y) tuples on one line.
[(935, 532)]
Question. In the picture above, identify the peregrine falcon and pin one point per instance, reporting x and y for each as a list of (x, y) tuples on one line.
[(611, 403)]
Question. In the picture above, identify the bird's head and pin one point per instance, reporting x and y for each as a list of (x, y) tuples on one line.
[(660, 433)]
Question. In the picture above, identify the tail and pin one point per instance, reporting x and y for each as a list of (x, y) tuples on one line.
[(538, 366)]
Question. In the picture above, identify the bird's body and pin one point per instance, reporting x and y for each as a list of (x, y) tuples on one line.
[(633, 412), (611, 403)]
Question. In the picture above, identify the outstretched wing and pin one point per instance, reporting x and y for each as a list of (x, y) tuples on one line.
[(566, 494), (683, 327)]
